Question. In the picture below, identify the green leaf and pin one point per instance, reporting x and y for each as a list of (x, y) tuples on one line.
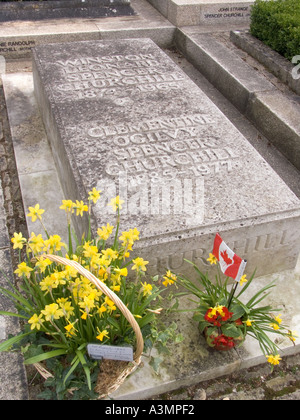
[(254, 300), (211, 330), (85, 368), (46, 395), (75, 363), (155, 363), (198, 317), (238, 312), (16, 297), (114, 323), (13, 314), (203, 325), (45, 356), (230, 330), (147, 319), (179, 338), (6, 345)]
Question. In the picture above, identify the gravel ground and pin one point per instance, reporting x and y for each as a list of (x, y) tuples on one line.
[(256, 383)]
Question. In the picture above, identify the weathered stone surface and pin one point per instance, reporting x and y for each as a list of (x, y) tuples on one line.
[(123, 118), (35, 164), (32, 10), (4, 241), (280, 66), (13, 385), (234, 78), (8, 325), (280, 382), (207, 12), (275, 113)]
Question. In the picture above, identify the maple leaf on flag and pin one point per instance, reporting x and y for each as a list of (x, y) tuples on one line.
[(225, 257), (230, 263)]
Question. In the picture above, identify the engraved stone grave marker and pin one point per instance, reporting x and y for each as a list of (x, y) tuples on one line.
[(123, 118), (54, 9)]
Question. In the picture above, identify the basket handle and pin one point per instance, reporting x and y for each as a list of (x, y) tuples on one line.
[(112, 296)]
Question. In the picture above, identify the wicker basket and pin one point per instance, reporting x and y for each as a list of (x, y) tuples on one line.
[(112, 373)]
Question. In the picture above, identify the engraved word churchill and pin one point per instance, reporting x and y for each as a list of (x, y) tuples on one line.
[(93, 77), (167, 146), (124, 118)]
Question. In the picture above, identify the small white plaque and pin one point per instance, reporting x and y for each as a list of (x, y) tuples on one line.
[(99, 351)]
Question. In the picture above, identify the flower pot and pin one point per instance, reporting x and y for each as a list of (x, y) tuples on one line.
[(221, 342)]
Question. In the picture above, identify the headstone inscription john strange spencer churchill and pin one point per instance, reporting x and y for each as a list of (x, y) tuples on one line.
[(123, 118)]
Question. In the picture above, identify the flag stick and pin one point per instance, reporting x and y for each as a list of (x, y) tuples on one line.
[(233, 290)]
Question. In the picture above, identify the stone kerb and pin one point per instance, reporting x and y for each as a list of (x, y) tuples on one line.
[(123, 118), (204, 12)]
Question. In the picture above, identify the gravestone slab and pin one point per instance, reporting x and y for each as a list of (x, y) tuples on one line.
[(56, 9), (122, 117), (205, 12)]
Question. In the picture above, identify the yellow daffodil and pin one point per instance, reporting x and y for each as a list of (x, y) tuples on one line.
[(129, 237), (212, 259), (52, 311), (35, 212), (111, 305), (118, 273), (278, 319), (23, 269), (84, 315), (116, 203), (243, 280), (110, 254), (68, 206), (102, 334), (169, 278), (122, 271), (36, 243), (273, 360), (53, 244), (292, 336), (70, 272), (42, 264), (18, 241), (248, 322), (80, 208), (36, 321), (88, 302), (48, 284), (89, 251), (101, 310), (139, 264), (105, 231), (71, 330), (146, 289), (94, 195), (66, 306)]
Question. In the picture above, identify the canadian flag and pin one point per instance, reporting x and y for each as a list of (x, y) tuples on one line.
[(231, 264)]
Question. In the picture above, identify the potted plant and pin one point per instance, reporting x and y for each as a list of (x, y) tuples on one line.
[(71, 295), (225, 319)]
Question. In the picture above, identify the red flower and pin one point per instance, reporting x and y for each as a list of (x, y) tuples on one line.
[(227, 315), (218, 314), (222, 341)]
